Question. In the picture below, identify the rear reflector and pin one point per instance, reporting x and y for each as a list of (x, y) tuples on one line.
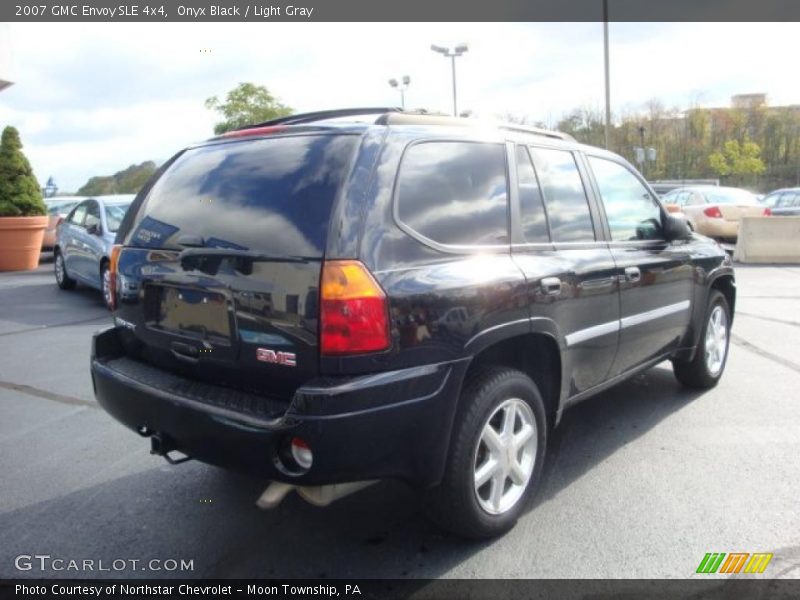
[(354, 316), (301, 453), (713, 212), (113, 266)]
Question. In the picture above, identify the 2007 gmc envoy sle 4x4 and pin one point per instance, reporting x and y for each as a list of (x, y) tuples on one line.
[(334, 298)]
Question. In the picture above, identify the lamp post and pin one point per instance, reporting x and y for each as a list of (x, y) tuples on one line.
[(457, 51), (50, 188), (607, 128), (402, 86)]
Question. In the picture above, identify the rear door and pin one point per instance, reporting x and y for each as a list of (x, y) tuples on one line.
[(570, 273), (220, 270), (656, 276)]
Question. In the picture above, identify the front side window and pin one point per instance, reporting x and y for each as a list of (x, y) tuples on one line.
[(564, 195), (630, 209), (455, 193)]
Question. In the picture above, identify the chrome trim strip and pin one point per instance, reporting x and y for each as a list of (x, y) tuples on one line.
[(656, 313), (582, 335)]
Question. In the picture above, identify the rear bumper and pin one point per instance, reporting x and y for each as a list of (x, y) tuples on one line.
[(394, 424)]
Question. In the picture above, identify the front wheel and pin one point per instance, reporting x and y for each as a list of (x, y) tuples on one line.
[(705, 369), (495, 463)]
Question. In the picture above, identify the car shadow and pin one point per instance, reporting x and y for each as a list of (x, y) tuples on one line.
[(207, 515)]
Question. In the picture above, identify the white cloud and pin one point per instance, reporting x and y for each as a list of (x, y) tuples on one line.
[(93, 98)]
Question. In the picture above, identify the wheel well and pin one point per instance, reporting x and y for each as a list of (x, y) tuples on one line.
[(534, 354), (727, 288)]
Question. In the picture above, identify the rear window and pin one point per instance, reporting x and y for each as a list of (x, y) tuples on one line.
[(269, 195)]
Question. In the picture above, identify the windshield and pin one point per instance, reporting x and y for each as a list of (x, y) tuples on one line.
[(730, 196), (114, 215)]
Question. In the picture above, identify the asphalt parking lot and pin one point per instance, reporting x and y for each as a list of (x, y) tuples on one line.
[(640, 482)]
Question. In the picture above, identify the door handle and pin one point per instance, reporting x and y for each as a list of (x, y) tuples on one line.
[(633, 274), (551, 286)]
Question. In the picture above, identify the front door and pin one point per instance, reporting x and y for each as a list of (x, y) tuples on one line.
[(655, 276)]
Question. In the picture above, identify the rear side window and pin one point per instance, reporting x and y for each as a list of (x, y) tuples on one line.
[(455, 192), (533, 219), (271, 195), (564, 195)]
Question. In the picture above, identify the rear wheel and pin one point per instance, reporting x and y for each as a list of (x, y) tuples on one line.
[(496, 457), (705, 369), (105, 280), (64, 281)]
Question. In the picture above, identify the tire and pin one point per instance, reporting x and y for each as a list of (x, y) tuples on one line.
[(64, 281), (708, 364), (457, 504), (105, 282)]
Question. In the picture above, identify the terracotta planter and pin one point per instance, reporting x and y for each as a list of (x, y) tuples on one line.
[(21, 242)]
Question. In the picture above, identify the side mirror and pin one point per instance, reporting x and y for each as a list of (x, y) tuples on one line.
[(676, 228)]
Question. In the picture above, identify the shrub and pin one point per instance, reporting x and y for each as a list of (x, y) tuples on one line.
[(20, 195)]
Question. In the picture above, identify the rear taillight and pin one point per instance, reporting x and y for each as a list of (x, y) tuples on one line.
[(113, 266), (767, 212), (713, 212), (354, 315)]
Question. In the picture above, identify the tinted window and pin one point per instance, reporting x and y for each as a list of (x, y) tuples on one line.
[(273, 195), (533, 220), (455, 192), (92, 215), (772, 200), (730, 196), (631, 212), (564, 195), (76, 218)]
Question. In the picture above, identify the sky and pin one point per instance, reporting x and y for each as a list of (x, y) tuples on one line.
[(93, 98)]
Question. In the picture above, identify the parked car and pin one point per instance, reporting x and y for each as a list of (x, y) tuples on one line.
[(715, 211), (83, 242), (784, 203), (440, 292), (57, 210)]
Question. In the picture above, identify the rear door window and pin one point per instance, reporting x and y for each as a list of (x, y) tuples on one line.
[(76, 218), (564, 195), (533, 219), (455, 193), (271, 195)]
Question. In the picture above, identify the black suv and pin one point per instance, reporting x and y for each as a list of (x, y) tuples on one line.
[(327, 302)]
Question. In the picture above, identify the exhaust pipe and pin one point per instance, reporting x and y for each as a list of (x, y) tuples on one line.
[(318, 495)]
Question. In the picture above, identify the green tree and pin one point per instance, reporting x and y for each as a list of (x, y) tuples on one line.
[(20, 195), (738, 159), (244, 105), (127, 181)]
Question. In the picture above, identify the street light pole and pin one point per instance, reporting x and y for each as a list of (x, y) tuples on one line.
[(607, 69), (457, 51), (406, 81)]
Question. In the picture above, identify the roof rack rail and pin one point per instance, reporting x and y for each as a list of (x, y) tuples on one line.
[(421, 118), (321, 115), (537, 131)]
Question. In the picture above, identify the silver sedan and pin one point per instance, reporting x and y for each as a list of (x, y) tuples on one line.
[(84, 240)]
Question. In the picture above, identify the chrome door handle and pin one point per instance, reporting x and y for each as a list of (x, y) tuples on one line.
[(633, 274), (551, 286)]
